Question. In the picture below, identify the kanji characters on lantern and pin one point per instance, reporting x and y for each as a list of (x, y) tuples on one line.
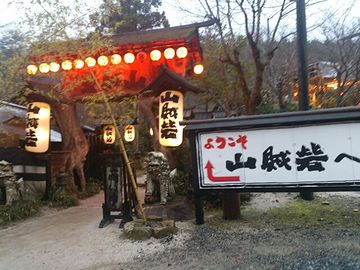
[(109, 134), (129, 133), (170, 114), (37, 133)]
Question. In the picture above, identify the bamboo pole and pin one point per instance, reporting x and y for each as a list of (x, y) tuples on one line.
[(121, 144)]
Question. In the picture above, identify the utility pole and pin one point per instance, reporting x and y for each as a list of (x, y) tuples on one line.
[(302, 69), (302, 55)]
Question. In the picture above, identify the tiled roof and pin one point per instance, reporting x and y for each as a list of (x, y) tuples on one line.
[(180, 33)]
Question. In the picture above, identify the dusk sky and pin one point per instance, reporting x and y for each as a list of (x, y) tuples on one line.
[(10, 14)]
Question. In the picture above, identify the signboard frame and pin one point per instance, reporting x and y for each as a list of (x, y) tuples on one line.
[(194, 128)]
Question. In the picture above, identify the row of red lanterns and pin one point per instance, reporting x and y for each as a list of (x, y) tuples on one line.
[(103, 60)]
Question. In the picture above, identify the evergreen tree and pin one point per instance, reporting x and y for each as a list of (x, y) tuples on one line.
[(116, 16)]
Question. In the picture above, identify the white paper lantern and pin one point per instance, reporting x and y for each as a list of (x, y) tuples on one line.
[(171, 105), (129, 133), (109, 134), (37, 133)]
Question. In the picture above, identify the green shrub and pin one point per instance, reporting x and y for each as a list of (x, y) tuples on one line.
[(63, 199), (181, 183), (18, 210)]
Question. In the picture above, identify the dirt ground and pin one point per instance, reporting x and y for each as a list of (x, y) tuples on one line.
[(71, 239)]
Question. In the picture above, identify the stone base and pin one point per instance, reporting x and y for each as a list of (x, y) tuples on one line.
[(178, 210)]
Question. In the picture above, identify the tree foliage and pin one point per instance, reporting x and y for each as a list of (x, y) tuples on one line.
[(118, 16), (262, 40)]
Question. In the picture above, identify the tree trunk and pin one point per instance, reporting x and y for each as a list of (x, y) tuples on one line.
[(73, 140)]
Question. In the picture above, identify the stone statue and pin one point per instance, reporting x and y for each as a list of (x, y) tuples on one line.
[(158, 181), (9, 182)]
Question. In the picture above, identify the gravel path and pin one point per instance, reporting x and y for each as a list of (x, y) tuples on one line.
[(247, 248), (70, 239)]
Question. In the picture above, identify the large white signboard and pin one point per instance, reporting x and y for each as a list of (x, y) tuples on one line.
[(283, 156)]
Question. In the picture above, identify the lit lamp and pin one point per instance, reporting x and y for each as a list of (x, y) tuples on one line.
[(171, 105), (66, 65), (129, 133), (31, 69), (90, 61), (129, 58), (115, 59), (109, 134), (78, 64), (155, 55), (169, 53), (181, 52), (103, 60), (198, 69), (54, 67), (44, 68), (37, 133)]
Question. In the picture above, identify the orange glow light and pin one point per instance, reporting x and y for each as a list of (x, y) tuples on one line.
[(44, 68), (181, 52), (155, 55), (129, 58), (54, 67), (103, 60), (90, 62), (115, 59), (66, 65), (198, 69), (78, 64), (141, 57), (31, 69), (169, 53)]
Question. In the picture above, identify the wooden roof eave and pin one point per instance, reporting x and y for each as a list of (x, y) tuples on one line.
[(169, 80)]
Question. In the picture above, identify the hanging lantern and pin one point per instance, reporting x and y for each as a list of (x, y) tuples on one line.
[(54, 67), (115, 59), (182, 52), (78, 64), (31, 69), (109, 134), (90, 61), (129, 133), (44, 68), (155, 55), (141, 57), (169, 53), (170, 114), (103, 60), (129, 58), (198, 69), (37, 133), (66, 65)]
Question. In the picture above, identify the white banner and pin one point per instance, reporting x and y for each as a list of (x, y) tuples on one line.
[(283, 156)]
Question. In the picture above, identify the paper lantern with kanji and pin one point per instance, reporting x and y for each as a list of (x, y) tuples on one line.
[(171, 105), (37, 133), (109, 134), (129, 133)]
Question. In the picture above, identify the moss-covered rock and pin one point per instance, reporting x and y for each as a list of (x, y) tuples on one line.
[(137, 230), (164, 228)]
